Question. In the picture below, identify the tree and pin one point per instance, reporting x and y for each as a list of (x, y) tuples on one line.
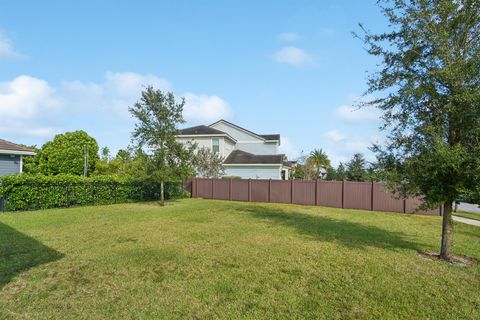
[(65, 154), (428, 89), (158, 114), (31, 163), (356, 168), (105, 154), (208, 164), (318, 160)]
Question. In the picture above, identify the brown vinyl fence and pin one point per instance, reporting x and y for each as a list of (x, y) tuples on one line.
[(338, 194)]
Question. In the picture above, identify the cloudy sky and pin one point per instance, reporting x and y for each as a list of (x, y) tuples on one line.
[(288, 67)]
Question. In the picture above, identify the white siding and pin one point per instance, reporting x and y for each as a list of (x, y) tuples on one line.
[(258, 148), (226, 146), (254, 172)]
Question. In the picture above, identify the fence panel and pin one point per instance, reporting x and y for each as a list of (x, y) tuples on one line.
[(239, 190), (338, 194), (204, 188), (259, 190), (221, 189), (329, 193), (280, 191), (384, 200), (358, 195), (412, 206), (304, 192)]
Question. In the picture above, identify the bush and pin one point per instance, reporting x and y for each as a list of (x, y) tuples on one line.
[(28, 192)]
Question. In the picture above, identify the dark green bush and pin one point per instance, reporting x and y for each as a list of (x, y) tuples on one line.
[(29, 192)]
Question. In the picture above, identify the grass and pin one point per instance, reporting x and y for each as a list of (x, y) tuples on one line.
[(207, 259), (474, 216)]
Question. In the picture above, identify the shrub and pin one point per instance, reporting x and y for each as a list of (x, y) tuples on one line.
[(28, 192)]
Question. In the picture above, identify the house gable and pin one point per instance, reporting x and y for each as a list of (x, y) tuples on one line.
[(238, 133)]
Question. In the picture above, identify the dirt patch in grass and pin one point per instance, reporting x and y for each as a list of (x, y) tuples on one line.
[(456, 259)]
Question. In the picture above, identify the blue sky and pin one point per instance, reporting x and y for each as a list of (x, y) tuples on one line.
[(288, 67)]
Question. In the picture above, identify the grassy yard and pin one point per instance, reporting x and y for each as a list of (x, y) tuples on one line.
[(474, 216), (212, 259)]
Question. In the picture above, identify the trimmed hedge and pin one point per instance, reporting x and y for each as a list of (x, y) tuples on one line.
[(30, 192)]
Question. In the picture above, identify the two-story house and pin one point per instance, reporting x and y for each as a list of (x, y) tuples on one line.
[(246, 154)]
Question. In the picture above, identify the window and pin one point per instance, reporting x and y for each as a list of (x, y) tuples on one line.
[(215, 145)]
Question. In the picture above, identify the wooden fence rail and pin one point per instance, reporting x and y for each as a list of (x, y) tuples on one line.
[(338, 194)]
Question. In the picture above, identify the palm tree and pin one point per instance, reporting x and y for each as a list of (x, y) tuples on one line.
[(318, 159)]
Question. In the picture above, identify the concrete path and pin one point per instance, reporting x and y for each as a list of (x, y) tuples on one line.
[(467, 221)]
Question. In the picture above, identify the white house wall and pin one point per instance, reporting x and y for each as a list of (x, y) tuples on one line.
[(254, 172), (235, 133), (257, 148), (225, 145)]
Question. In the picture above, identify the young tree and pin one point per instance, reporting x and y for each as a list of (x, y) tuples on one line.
[(429, 91), (318, 160), (208, 164), (356, 168), (158, 114), (105, 154), (65, 154)]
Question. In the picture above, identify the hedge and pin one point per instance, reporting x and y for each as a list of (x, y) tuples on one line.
[(30, 192)]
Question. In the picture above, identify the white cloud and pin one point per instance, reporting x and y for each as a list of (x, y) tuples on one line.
[(26, 97), (114, 95), (32, 107), (334, 135), (288, 148), (354, 114), (294, 56), (205, 108), (7, 50), (288, 36)]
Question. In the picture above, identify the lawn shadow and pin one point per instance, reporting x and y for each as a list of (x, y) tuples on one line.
[(350, 234), (19, 252)]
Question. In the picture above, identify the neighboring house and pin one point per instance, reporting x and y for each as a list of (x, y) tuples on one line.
[(11, 157), (246, 154)]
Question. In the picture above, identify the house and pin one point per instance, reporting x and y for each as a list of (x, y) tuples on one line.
[(246, 154), (11, 157)]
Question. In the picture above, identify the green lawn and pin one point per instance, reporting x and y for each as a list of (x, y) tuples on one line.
[(474, 216), (202, 259)]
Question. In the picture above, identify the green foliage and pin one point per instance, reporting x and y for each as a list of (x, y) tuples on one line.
[(319, 161), (357, 168), (27, 192), (208, 164), (158, 114), (31, 163), (65, 154), (429, 91)]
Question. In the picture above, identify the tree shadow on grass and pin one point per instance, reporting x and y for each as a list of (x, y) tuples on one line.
[(350, 234), (19, 252)]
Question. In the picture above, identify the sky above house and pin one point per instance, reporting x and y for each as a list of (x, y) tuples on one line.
[(287, 67)]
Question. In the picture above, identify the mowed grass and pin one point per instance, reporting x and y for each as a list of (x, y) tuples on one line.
[(206, 259)]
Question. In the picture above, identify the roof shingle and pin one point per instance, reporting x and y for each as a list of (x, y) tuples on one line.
[(200, 130), (242, 157), (10, 146)]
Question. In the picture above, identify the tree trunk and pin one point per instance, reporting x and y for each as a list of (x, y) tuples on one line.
[(447, 230), (162, 194)]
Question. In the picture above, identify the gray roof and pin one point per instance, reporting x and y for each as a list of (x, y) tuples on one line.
[(270, 136), (242, 157), (200, 130), (15, 148)]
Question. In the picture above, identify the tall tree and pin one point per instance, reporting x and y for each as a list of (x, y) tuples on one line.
[(428, 88), (158, 114), (65, 154), (319, 161), (356, 168)]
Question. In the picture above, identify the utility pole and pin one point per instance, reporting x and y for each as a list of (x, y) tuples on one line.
[(85, 161)]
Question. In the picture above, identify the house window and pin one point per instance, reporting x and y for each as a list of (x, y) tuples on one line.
[(215, 145)]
